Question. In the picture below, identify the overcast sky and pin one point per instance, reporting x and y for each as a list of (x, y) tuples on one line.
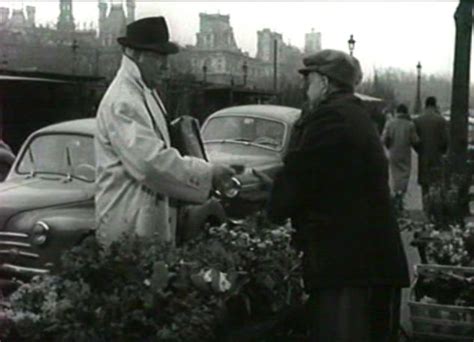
[(387, 33)]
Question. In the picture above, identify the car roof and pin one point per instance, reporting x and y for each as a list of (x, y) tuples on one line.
[(84, 126), (280, 113)]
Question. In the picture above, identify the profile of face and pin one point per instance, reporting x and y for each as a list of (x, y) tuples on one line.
[(316, 88), (153, 67)]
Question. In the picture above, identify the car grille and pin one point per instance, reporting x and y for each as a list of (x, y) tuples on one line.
[(17, 255)]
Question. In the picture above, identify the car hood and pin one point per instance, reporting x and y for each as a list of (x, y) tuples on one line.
[(249, 160), (27, 194)]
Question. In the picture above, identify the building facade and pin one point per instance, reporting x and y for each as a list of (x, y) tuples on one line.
[(66, 48), (215, 58)]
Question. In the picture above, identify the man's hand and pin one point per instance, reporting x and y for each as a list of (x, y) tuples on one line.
[(267, 182), (221, 175)]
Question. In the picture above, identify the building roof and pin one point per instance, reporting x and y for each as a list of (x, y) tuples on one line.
[(281, 113)]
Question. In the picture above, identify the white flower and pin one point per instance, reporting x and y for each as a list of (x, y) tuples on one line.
[(207, 276), (147, 282), (224, 283)]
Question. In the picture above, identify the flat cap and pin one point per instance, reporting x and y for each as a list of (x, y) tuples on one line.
[(334, 64)]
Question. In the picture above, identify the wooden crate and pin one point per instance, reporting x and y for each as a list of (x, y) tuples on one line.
[(437, 321)]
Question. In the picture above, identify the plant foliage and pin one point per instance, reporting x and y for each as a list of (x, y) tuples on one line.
[(139, 290)]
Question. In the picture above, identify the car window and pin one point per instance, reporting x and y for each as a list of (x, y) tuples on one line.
[(258, 131), (66, 154)]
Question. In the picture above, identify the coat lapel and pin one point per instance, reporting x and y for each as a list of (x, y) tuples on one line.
[(158, 115)]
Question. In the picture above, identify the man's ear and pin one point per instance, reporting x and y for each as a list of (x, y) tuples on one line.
[(325, 81)]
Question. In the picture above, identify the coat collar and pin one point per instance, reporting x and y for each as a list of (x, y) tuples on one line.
[(403, 116), (307, 113), (432, 111), (129, 70)]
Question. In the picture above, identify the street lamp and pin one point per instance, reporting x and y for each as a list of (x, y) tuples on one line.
[(204, 73), (418, 89), (351, 43), (4, 61), (74, 48), (245, 70)]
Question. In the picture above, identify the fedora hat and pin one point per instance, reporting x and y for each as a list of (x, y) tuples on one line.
[(149, 34)]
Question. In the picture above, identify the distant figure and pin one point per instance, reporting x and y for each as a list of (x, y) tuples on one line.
[(399, 136), (432, 129), (6, 160)]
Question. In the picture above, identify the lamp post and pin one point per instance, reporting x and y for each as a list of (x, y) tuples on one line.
[(351, 42), (245, 71), (418, 89), (4, 61), (74, 48), (460, 87), (204, 73)]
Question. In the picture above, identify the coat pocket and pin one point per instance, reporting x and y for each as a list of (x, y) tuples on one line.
[(151, 220)]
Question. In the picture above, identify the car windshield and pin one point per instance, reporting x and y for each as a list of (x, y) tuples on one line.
[(257, 131), (63, 154)]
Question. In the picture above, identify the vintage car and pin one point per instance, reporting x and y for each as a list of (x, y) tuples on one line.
[(254, 136), (47, 200)]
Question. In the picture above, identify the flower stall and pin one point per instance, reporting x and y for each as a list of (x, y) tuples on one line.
[(441, 301), (233, 282)]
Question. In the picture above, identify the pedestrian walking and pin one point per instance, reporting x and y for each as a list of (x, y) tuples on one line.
[(139, 173), (399, 137), (334, 187), (432, 130)]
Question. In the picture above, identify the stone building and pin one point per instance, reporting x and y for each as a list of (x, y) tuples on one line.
[(216, 58), (66, 48), (312, 42), (72, 48)]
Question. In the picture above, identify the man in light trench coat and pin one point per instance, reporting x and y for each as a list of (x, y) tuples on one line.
[(138, 171)]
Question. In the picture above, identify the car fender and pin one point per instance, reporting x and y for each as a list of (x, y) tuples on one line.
[(67, 226)]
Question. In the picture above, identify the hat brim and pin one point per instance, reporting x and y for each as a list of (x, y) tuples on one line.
[(306, 70), (167, 48)]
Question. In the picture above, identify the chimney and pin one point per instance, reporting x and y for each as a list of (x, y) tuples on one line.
[(31, 16), (130, 11), (4, 15)]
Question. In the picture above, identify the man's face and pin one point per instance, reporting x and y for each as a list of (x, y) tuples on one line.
[(153, 67), (316, 85)]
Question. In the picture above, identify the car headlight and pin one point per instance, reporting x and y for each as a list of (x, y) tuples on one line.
[(40, 233)]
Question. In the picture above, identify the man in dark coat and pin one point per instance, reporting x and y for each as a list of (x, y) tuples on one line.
[(432, 129), (334, 187)]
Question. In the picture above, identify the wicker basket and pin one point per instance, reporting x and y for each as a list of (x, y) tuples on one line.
[(441, 322)]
